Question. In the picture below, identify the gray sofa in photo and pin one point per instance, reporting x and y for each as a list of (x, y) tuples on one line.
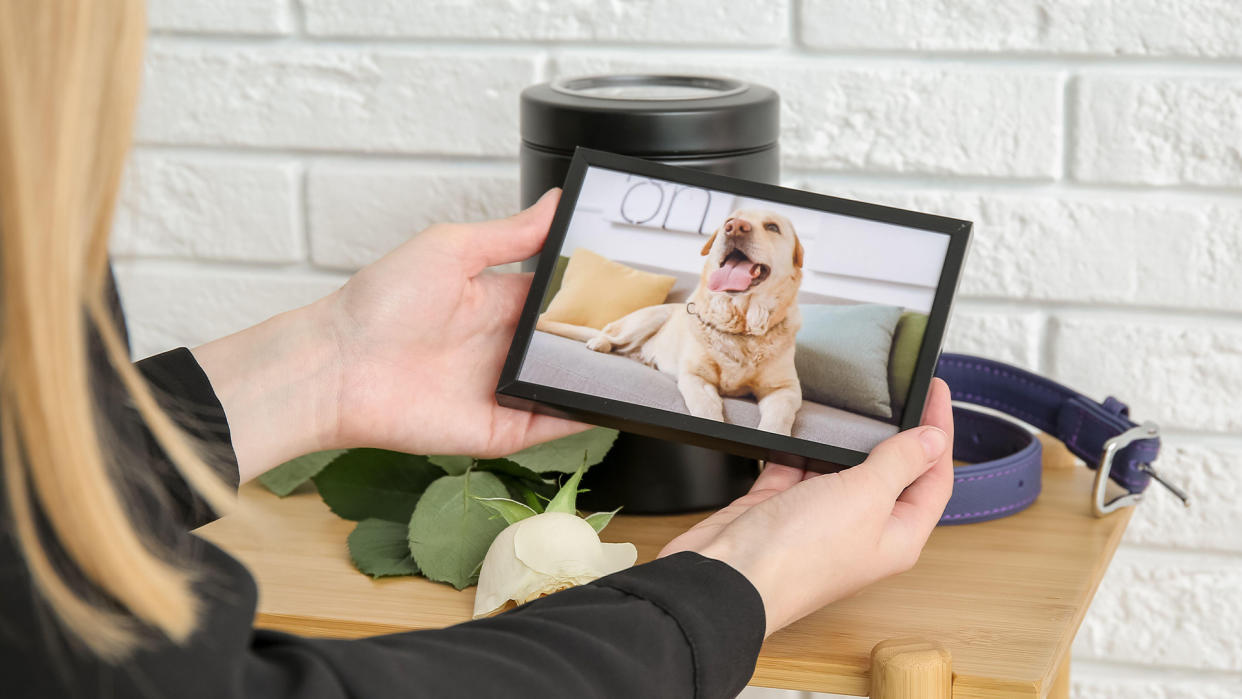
[(567, 364), (556, 361)]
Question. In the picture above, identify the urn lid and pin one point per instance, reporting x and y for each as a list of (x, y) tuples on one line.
[(650, 115)]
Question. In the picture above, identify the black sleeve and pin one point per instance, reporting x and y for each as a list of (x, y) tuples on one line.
[(184, 392), (683, 626)]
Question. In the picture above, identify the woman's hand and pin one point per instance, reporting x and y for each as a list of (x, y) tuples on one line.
[(405, 356), (422, 335), (805, 540)]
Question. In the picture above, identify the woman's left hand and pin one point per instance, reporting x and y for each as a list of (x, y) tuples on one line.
[(405, 356)]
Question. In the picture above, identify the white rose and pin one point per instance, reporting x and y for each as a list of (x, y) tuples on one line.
[(542, 554)]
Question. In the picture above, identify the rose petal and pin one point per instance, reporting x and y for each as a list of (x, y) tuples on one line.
[(558, 545), (617, 557), (500, 575)]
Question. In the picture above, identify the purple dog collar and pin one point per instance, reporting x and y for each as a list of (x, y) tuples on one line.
[(1006, 459)]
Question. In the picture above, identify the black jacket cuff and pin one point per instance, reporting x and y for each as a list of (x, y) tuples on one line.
[(185, 393), (718, 609)]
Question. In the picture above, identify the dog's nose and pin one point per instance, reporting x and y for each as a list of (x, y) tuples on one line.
[(736, 226)]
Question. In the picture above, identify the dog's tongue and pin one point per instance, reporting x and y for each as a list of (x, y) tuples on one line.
[(735, 275)]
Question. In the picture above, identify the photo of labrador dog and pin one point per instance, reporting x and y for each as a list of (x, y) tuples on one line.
[(736, 334)]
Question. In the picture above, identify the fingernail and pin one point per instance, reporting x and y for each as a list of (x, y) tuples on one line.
[(934, 441)]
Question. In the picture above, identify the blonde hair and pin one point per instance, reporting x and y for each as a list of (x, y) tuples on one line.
[(69, 76)]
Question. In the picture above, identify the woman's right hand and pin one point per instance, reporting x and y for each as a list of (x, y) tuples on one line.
[(805, 540)]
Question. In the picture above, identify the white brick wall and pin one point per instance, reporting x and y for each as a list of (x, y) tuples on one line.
[(359, 211), (1159, 129), (1096, 143), (639, 21), (372, 99), (211, 208), (175, 303), (1151, 592), (238, 17), (1068, 27)]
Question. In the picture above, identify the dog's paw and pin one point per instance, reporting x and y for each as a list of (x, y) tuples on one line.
[(785, 429), (707, 411), (599, 343), (780, 424), (704, 403)]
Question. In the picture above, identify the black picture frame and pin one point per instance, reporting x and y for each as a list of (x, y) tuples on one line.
[(663, 424)]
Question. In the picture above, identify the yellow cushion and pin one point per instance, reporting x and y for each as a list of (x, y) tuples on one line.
[(596, 291)]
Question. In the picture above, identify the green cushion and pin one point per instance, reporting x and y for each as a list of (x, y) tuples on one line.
[(907, 340), (842, 356), (554, 284)]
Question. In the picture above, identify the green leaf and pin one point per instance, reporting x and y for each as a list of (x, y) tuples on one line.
[(450, 531), (599, 520), (511, 510), (565, 454), (380, 548), (365, 483), (286, 477), (566, 499), (452, 465), (522, 483), (509, 468)]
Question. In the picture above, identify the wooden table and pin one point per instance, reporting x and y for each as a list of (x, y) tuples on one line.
[(997, 603)]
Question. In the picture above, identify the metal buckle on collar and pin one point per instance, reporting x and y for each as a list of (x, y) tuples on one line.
[(1101, 507)]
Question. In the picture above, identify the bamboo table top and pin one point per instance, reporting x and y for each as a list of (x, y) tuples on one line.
[(1004, 597)]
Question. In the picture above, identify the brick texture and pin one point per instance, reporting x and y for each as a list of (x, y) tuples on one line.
[(170, 305), (1175, 609), (1008, 337), (686, 21), (1133, 28), (353, 99), (212, 209), (222, 16), (357, 213), (1113, 687), (1159, 130)]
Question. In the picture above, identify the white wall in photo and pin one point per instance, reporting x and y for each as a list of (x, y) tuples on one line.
[(638, 219)]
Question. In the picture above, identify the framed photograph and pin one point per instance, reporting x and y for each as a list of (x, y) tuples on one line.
[(758, 320)]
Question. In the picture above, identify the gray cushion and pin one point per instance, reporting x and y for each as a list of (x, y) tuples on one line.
[(563, 363), (842, 356)]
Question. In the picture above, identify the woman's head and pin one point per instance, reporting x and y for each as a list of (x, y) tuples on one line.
[(69, 77)]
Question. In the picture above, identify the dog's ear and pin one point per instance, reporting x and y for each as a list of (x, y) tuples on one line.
[(798, 253), (708, 248)]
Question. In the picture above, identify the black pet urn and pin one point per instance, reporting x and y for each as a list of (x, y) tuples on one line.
[(714, 124)]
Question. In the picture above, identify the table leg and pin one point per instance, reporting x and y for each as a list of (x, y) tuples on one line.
[(911, 668), (1060, 688)]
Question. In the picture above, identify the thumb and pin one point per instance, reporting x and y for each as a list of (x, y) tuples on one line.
[(899, 460), (511, 239)]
